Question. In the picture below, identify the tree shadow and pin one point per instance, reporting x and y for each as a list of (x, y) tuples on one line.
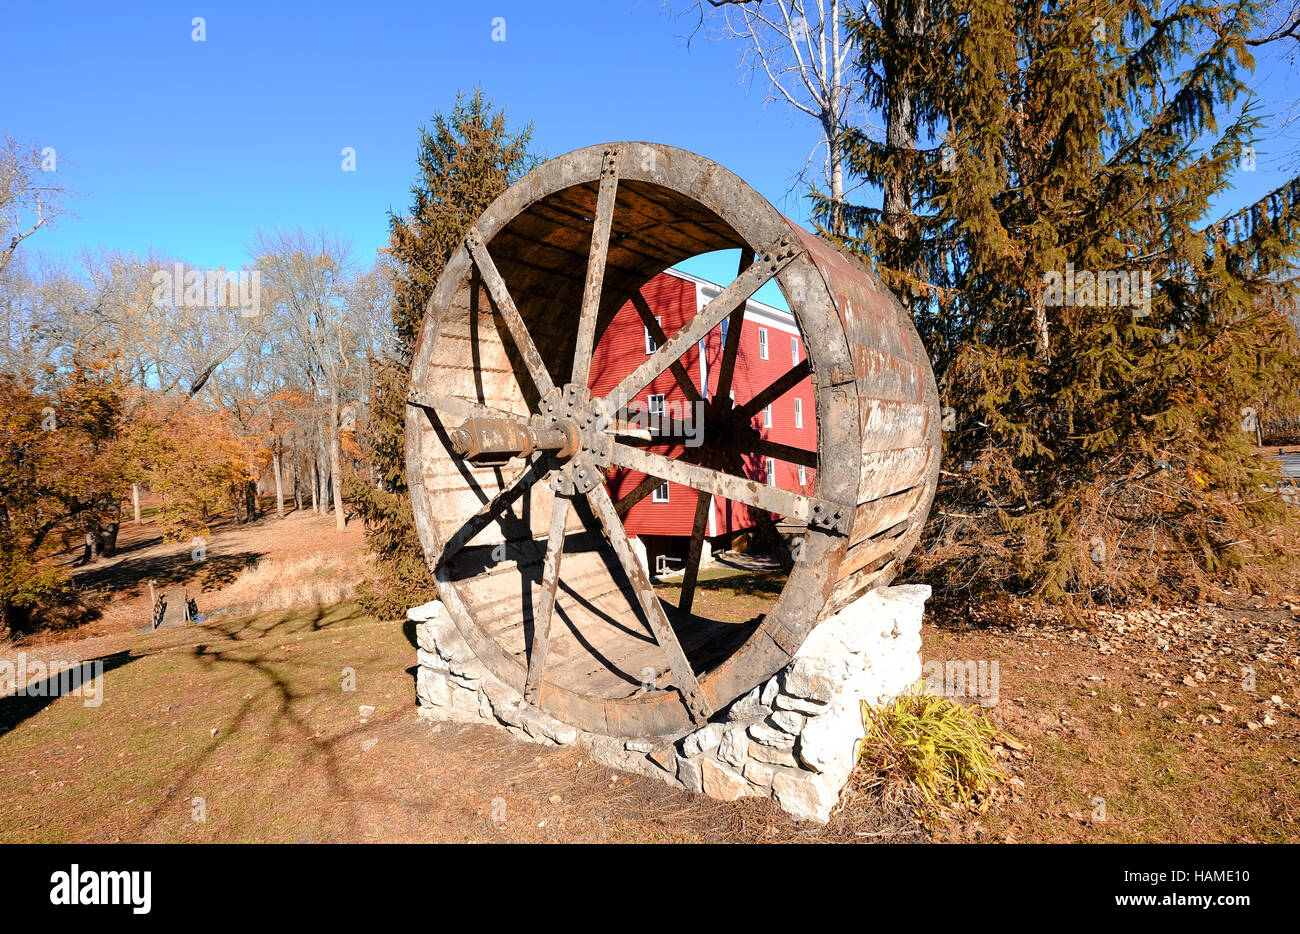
[(36, 696), (211, 573)]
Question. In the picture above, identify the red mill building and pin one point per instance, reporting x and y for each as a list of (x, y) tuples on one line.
[(769, 346)]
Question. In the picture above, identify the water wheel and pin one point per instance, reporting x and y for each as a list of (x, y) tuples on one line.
[(508, 450)]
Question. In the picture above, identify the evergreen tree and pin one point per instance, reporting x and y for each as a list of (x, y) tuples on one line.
[(466, 160), (1101, 346)]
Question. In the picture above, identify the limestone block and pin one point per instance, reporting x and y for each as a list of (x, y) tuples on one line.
[(721, 782), (734, 747)]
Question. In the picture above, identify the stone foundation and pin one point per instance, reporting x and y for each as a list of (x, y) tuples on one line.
[(792, 738)]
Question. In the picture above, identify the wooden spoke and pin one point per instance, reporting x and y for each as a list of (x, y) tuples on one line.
[(595, 270), (492, 509), (642, 490), (692, 571), (546, 604), (735, 324), (660, 338), (505, 306), (784, 452), (742, 490), (460, 408), (783, 384), (603, 507), (741, 288)]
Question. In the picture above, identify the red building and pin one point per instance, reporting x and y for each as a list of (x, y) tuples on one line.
[(769, 346)]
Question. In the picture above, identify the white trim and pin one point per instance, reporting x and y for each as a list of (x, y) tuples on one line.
[(770, 315), (650, 345)]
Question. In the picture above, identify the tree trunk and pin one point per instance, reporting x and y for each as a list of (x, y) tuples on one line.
[(110, 533), (135, 501), (336, 471), (315, 486), (279, 482)]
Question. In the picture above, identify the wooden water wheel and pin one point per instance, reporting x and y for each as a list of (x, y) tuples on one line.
[(508, 450)]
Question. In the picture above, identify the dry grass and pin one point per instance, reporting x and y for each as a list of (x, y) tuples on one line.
[(291, 583)]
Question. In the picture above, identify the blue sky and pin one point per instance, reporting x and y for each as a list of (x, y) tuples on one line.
[(191, 147)]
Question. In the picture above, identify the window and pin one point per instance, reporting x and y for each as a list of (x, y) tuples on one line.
[(762, 343), (803, 475), (660, 495), (771, 472), (767, 416), (798, 412), (657, 403), (794, 350), (650, 345), (724, 330)]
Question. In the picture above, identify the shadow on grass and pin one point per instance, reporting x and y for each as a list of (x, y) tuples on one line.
[(215, 571), (36, 696)]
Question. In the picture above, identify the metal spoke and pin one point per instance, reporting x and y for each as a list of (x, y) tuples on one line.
[(783, 384), (737, 293), (642, 490), (660, 338), (505, 306), (735, 324), (784, 452), (763, 519), (603, 506), (691, 573), (595, 269), (806, 509), (546, 604), (492, 509), (460, 408)]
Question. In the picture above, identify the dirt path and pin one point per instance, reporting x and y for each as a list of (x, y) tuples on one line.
[(118, 589)]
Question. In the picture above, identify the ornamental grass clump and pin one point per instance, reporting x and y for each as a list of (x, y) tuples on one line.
[(940, 751)]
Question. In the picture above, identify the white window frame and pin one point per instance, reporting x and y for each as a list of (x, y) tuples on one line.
[(798, 412), (650, 404), (660, 494), (803, 475), (767, 416), (771, 471), (650, 345), (794, 350), (762, 343)]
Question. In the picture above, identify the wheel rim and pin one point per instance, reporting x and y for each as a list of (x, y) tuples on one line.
[(534, 551)]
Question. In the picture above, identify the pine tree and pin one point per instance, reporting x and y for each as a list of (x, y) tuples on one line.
[(466, 160), (1101, 346)]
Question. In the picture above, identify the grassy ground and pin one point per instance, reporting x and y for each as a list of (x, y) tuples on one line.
[(245, 729), (1147, 713), (252, 717)]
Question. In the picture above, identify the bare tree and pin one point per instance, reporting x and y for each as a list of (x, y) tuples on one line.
[(308, 280), (802, 49), (29, 200)]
